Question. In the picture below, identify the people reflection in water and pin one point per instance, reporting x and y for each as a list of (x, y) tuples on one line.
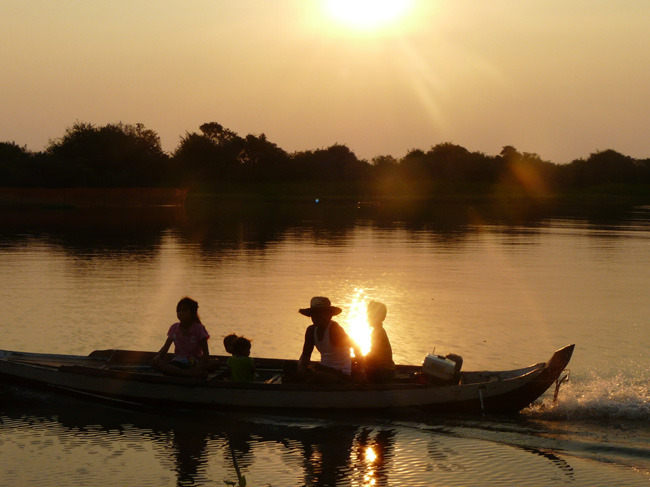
[(190, 339), (327, 455), (333, 455), (209, 449), (189, 450), (332, 342), (374, 454)]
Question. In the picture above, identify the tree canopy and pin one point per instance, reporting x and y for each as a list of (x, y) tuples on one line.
[(214, 157)]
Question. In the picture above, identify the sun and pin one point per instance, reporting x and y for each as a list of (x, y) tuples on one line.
[(367, 14)]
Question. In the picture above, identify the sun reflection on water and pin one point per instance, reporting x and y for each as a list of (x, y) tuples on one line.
[(371, 456), (357, 320)]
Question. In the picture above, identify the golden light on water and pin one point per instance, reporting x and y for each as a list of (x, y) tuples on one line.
[(357, 320), (371, 456)]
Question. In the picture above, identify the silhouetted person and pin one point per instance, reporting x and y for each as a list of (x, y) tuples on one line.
[(332, 342), (379, 361)]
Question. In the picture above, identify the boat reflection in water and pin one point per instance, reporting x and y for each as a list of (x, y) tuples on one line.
[(200, 448), (191, 448)]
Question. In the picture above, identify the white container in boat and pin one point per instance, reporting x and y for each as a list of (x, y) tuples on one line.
[(438, 367)]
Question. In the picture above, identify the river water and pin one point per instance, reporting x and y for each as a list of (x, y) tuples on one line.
[(503, 287)]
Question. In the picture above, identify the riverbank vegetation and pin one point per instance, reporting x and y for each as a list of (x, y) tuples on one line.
[(216, 160)]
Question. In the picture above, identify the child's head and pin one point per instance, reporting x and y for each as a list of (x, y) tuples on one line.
[(376, 312), (241, 346), (228, 341), (188, 305)]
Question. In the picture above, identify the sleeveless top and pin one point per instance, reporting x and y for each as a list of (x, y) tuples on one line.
[(331, 356)]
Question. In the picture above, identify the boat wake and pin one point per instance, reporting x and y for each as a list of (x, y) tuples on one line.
[(603, 419), (599, 400)]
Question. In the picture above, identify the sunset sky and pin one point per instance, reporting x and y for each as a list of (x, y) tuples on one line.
[(559, 78)]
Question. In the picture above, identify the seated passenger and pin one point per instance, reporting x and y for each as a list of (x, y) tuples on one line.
[(190, 339), (331, 340), (241, 365), (379, 361)]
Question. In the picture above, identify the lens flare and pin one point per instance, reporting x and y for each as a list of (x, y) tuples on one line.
[(357, 321)]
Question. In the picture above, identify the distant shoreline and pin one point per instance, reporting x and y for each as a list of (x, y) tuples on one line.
[(85, 197), (92, 197)]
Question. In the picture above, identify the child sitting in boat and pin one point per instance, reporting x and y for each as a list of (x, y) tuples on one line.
[(379, 361), (190, 339), (241, 365), (228, 341)]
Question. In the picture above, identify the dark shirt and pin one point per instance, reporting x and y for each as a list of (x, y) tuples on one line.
[(381, 353)]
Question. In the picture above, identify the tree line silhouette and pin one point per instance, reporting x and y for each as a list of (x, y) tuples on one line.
[(219, 160)]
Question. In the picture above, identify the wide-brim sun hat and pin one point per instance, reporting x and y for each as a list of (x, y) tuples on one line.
[(319, 304)]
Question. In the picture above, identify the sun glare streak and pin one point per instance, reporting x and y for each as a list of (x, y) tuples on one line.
[(357, 321), (428, 87), (435, 80)]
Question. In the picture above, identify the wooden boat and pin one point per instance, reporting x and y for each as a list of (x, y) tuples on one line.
[(127, 376)]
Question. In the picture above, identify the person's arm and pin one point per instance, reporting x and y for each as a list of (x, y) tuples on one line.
[(205, 351), (164, 349), (307, 348)]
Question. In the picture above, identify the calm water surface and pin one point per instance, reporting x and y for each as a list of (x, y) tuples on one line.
[(502, 289)]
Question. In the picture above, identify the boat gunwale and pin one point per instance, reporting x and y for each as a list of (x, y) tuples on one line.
[(218, 383)]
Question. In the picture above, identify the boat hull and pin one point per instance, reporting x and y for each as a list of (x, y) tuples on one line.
[(125, 376)]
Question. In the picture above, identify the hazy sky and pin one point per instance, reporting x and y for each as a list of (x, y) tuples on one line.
[(559, 78)]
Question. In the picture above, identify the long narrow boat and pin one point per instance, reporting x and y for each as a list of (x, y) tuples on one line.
[(126, 375)]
